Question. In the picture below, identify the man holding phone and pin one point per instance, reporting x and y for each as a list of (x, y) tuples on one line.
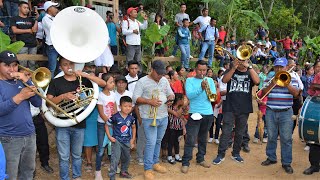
[(113, 28)]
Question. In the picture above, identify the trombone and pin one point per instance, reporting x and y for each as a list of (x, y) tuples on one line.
[(244, 52), (154, 110), (281, 78), (41, 77)]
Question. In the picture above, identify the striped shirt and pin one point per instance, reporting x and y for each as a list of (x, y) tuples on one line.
[(280, 97)]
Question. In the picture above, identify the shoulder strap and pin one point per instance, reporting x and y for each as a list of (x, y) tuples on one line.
[(128, 24), (133, 81)]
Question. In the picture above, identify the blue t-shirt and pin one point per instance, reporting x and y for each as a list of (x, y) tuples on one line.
[(121, 127), (112, 29)]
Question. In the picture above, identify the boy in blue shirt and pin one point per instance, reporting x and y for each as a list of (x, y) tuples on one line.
[(123, 138)]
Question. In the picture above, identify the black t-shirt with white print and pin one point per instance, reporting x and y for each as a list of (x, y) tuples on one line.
[(24, 23), (60, 86), (239, 93)]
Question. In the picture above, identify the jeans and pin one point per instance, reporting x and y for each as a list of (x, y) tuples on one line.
[(134, 53), (99, 155), (20, 155), (279, 123), (154, 136), (173, 141), (120, 151), (42, 139), (141, 141), (207, 45), (314, 155), (230, 120), (114, 50), (218, 127), (175, 49), (185, 55), (11, 8), (29, 64), (265, 130), (221, 60), (196, 129), (246, 137), (69, 139), (52, 59)]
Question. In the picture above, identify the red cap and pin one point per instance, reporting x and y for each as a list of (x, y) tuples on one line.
[(131, 9)]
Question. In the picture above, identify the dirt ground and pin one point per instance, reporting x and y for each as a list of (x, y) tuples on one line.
[(229, 169)]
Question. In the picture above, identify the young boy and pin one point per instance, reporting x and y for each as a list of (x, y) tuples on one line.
[(184, 39), (123, 124), (132, 77)]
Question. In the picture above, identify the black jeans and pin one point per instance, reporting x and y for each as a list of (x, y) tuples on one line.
[(173, 141), (246, 137), (196, 129), (314, 155), (42, 139), (229, 120), (218, 127)]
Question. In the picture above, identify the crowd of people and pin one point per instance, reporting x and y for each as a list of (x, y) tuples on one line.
[(153, 112)]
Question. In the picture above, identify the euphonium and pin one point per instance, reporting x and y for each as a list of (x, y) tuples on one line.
[(154, 110), (212, 97)]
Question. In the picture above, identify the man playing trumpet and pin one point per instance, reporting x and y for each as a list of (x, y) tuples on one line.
[(156, 126)]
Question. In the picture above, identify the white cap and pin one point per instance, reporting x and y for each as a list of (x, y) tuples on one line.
[(48, 4)]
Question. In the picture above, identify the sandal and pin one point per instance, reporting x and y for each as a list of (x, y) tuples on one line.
[(179, 160), (171, 161), (88, 167)]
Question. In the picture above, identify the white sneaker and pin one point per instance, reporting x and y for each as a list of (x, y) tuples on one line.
[(210, 140), (98, 176), (172, 56), (190, 56), (217, 141), (265, 140), (140, 162), (255, 140), (307, 148)]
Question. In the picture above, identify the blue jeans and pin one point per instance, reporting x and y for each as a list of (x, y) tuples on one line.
[(69, 139), (205, 46), (99, 155), (265, 131), (12, 8), (154, 137), (185, 55), (279, 123), (20, 155), (52, 59)]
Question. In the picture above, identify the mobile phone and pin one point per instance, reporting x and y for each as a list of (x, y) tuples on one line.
[(169, 100)]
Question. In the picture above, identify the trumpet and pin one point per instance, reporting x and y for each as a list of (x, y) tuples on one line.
[(154, 110), (212, 97), (281, 78)]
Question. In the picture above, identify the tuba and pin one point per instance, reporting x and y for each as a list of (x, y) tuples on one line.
[(80, 35)]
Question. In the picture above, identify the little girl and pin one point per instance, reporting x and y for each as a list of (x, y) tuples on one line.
[(262, 104), (106, 108), (176, 127)]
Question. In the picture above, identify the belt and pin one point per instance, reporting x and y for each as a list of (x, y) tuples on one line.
[(280, 110), (208, 41)]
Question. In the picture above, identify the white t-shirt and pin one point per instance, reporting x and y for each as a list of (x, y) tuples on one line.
[(118, 96), (268, 44), (203, 21), (223, 87), (108, 103), (132, 82)]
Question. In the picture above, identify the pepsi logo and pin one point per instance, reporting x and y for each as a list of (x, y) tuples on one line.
[(124, 129)]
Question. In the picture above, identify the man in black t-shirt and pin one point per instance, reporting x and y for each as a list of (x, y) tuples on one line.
[(64, 88), (25, 29), (236, 108)]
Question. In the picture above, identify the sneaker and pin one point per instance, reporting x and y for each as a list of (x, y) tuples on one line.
[(237, 158), (210, 140), (140, 162), (178, 158), (265, 140), (125, 175), (148, 175), (255, 140), (171, 160), (217, 141), (47, 169), (307, 148), (157, 167), (172, 56), (218, 160), (204, 164), (98, 176), (246, 149), (190, 57), (184, 169)]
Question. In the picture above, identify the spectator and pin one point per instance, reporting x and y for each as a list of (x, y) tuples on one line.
[(261, 31), (184, 39), (113, 28), (159, 49), (222, 34), (287, 45)]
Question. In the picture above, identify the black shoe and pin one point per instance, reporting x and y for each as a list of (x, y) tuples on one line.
[(268, 162), (125, 175), (310, 170), (246, 149), (47, 169), (288, 169)]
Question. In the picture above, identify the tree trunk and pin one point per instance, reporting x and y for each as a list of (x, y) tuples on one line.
[(162, 7), (262, 9)]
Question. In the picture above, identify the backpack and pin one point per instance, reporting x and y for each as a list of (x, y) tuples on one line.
[(203, 33), (123, 36)]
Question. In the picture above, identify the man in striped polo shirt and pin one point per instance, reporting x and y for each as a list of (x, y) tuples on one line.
[(278, 117)]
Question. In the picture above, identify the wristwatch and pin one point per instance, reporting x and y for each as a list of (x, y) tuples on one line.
[(250, 67)]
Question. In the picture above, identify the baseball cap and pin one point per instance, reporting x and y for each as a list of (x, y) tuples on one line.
[(48, 4), (8, 57), (91, 63), (121, 78), (159, 67), (281, 62), (131, 9)]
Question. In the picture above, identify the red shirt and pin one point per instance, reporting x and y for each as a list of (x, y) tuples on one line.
[(222, 35), (286, 43), (177, 86), (316, 80)]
